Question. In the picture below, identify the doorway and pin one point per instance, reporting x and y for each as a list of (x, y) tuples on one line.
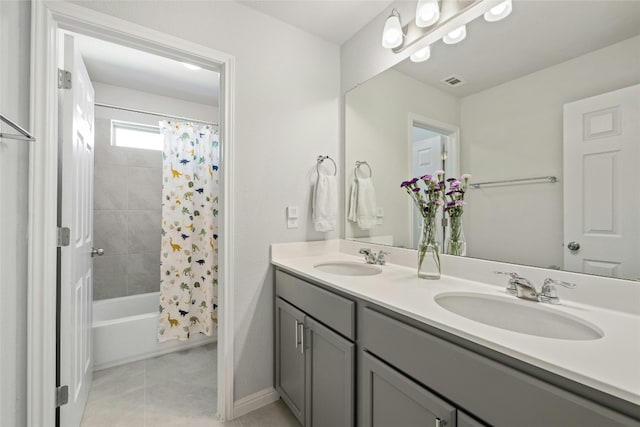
[(433, 147), (49, 18)]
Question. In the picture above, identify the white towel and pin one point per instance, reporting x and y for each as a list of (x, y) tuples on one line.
[(325, 203), (362, 203)]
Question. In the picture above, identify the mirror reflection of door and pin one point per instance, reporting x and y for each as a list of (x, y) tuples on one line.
[(427, 156), (601, 201)]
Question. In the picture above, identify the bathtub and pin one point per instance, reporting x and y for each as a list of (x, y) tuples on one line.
[(125, 330)]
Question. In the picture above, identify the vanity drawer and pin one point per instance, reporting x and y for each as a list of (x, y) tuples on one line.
[(495, 393), (333, 310)]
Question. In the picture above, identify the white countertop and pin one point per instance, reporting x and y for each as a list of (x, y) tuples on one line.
[(610, 364)]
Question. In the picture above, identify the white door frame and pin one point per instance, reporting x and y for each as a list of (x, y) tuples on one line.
[(47, 18), (452, 162)]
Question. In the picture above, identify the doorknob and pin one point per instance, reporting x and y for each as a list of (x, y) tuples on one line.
[(573, 246), (98, 252)]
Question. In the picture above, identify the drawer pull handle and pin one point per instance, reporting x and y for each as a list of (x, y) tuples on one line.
[(302, 338), (297, 339), (440, 423)]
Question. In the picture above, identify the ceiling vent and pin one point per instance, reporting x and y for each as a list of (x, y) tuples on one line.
[(453, 81)]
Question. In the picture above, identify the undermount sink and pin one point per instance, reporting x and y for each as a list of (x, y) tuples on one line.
[(346, 268), (515, 315)]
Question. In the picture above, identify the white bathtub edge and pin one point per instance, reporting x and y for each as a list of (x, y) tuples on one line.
[(184, 345)]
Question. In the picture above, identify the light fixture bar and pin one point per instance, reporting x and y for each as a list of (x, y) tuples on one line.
[(453, 14)]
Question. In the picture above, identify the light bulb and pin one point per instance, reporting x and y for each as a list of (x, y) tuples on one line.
[(392, 33), (427, 13), (498, 12), (456, 36), (191, 66), (421, 55)]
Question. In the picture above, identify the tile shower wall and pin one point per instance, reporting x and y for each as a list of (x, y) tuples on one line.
[(127, 216)]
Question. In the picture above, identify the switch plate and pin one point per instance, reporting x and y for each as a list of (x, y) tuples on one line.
[(292, 217)]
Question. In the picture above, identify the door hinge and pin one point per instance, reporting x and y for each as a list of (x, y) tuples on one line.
[(64, 79), (63, 237), (62, 395)]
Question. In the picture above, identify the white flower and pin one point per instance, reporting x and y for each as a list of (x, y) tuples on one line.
[(465, 177)]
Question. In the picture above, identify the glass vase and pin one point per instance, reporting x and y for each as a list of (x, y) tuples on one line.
[(456, 244), (428, 251)]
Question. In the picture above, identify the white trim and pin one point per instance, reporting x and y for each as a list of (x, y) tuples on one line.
[(47, 18), (255, 401)]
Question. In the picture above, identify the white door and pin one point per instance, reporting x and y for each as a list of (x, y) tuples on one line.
[(426, 159), (601, 178), (76, 137)]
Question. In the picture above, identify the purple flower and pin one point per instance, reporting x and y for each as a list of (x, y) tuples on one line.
[(426, 177), (405, 184), (439, 202), (460, 203), (451, 179), (413, 181), (416, 190)]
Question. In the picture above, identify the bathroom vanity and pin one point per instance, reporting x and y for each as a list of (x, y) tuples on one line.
[(377, 349)]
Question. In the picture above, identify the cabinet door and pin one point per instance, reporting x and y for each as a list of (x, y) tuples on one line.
[(290, 364), (391, 399), (330, 373)]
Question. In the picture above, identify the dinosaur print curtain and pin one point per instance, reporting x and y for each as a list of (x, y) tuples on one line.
[(189, 254)]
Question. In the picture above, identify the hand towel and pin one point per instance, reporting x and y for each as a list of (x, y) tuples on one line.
[(353, 202), (325, 203), (365, 203)]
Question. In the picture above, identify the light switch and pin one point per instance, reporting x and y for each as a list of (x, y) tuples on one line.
[(379, 215), (292, 217)]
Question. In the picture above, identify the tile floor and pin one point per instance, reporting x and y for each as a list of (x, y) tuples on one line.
[(177, 389)]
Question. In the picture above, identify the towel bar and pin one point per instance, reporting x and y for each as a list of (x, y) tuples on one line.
[(360, 163), (322, 159), (23, 134)]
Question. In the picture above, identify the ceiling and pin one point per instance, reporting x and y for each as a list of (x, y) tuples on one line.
[(333, 20), (537, 35), (134, 69)]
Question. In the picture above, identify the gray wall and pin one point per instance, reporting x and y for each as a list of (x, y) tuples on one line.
[(127, 214)]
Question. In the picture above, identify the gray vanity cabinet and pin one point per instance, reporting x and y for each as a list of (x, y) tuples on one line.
[(389, 398), (330, 377), (315, 358), (290, 363)]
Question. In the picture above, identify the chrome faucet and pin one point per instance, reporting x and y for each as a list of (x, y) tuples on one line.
[(522, 287), (372, 258)]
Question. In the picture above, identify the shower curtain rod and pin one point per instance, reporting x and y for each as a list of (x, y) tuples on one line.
[(151, 113)]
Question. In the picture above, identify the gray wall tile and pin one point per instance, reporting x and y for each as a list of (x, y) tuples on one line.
[(109, 276), (143, 272), (110, 187), (145, 188), (106, 154), (110, 231), (127, 216), (145, 158), (144, 231)]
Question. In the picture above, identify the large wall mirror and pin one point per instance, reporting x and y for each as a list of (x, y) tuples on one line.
[(549, 96)]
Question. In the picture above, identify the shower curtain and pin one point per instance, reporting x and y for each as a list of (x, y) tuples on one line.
[(189, 254)]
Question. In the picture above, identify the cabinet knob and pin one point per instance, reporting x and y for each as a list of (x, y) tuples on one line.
[(440, 423)]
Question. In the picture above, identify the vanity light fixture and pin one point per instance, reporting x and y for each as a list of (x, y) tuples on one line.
[(498, 12), (392, 33), (421, 55), (427, 13), (456, 36), (191, 66)]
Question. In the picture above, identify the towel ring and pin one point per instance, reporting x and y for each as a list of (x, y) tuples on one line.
[(322, 159), (360, 163)]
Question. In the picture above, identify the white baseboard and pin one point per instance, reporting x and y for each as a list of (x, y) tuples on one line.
[(254, 401)]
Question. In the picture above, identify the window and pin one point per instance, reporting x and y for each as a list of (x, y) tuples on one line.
[(136, 135)]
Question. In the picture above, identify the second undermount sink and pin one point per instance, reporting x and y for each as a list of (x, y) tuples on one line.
[(346, 268), (518, 316)]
